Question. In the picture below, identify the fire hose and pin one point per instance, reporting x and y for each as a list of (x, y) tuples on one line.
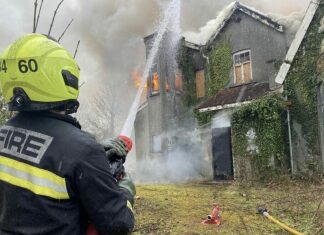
[(265, 213)]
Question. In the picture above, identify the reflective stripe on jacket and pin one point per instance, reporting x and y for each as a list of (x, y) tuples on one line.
[(54, 178)]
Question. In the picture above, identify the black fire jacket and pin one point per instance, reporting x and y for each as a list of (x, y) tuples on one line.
[(54, 178)]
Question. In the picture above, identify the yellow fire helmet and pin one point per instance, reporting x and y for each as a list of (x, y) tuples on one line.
[(37, 73)]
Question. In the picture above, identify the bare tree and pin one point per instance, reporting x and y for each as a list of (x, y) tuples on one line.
[(103, 118)]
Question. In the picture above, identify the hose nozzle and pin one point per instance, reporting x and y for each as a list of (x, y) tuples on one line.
[(127, 141)]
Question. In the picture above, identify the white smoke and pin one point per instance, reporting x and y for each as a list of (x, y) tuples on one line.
[(291, 22), (223, 119), (181, 163), (111, 34), (210, 28)]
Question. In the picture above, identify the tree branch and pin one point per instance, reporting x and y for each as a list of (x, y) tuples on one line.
[(55, 12), (65, 30), (34, 21), (76, 49), (39, 11)]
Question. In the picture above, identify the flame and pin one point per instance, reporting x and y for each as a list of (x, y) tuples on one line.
[(137, 78), (155, 82)]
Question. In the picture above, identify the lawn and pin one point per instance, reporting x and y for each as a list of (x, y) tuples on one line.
[(180, 208)]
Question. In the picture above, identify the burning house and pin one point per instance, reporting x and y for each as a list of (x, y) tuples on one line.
[(224, 78)]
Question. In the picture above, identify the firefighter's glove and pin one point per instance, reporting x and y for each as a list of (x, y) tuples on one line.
[(115, 149), (117, 169), (127, 183)]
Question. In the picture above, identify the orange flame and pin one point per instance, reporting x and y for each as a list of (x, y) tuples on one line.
[(137, 78)]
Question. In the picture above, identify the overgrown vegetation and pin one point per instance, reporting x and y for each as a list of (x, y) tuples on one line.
[(301, 85), (186, 63), (218, 67), (220, 63), (258, 139), (217, 77), (180, 209), (203, 118)]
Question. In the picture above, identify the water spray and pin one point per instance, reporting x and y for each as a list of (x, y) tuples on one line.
[(171, 11)]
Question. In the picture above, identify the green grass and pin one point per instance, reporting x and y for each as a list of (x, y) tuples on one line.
[(180, 208)]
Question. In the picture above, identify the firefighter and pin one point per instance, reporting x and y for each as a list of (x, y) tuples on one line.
[(54, 178)]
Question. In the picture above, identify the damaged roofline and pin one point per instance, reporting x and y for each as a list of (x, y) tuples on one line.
[(226, 106), (192, 45), (259, 16), (299, 37)]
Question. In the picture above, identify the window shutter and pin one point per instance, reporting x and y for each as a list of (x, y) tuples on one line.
[(200, 83)]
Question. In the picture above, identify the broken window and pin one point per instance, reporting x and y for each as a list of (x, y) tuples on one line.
[(242, 67), (178, 81), (155, 81), (200, 83)]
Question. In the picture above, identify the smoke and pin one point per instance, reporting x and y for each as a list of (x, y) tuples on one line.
[(210, 28), (181, 163), (291, 23), (187, 157), (111, 34), (283, 13), (223, 119)]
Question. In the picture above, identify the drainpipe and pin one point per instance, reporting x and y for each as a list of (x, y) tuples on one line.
[(205, 57), (290, 141)]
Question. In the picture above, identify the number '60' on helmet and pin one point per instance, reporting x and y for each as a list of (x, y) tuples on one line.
[(37, 73)]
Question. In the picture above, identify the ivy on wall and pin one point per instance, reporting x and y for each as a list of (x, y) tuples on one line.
[(301, 85), (216, 76), (204, 118), (220, 63), (218, 70), (259, 140), (186, 63)]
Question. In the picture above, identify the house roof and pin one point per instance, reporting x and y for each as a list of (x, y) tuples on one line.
[(211, 30), (235, 96), (285, 67), (192, 45)]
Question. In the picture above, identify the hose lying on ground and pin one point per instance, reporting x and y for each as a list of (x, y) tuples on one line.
[(265, 213)]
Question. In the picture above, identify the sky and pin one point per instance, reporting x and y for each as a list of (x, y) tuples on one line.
[(111, 34)]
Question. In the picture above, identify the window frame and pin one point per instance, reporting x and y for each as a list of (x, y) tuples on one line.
[(152, 72), (242, 66)]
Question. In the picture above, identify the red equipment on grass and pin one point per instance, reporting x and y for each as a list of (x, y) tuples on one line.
[(214, 217)]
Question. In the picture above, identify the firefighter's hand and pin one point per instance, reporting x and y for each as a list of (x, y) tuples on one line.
[(117, 169), (115, 149), (127, 183)]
